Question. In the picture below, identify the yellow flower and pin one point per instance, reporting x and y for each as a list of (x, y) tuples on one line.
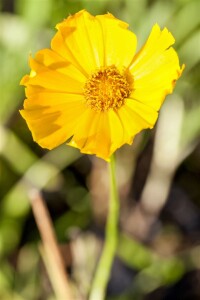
[(91, 90)]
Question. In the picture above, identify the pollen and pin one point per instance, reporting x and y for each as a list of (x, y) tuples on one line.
[(107, 89)]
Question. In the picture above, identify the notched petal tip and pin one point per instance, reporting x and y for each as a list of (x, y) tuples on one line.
[(179, 73), (21, 112), (163, 35), (65, 22), (24, 81), (121, 23), (181, 70)]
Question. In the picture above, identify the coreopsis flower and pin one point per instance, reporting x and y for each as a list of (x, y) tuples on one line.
[(91, 90)]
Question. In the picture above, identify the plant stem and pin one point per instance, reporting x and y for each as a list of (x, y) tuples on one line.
[(111, 237)]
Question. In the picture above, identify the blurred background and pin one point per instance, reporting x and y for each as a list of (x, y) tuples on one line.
[(158, 256)]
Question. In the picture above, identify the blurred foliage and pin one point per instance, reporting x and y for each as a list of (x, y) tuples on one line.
[(63, 174)]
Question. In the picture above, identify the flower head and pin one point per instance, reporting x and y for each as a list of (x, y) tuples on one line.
[(91, 90)]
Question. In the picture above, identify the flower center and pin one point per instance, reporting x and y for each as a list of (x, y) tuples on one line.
[(107, 88)]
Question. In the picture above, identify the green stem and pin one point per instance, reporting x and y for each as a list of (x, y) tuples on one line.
[(102, 274)]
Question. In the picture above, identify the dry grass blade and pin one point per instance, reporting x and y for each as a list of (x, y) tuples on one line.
[(50, 250)]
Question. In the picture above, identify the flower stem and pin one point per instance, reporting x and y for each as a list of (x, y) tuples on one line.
[(111, 237)]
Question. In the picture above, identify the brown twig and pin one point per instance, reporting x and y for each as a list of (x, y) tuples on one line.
[(50, 250)]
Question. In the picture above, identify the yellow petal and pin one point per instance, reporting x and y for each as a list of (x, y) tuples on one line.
[(56, 81), (91, 133), (101, 136), (136, 116), (52, 124), (98, 133), (116, 131), (155, 69), (119, 42), (144, 115), (103, 133), (51, 60), (50, 100), (49, 71), (92, 42), (79, 41), (108, 137)]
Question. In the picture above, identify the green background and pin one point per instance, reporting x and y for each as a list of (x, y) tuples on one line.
[(65, 176)]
